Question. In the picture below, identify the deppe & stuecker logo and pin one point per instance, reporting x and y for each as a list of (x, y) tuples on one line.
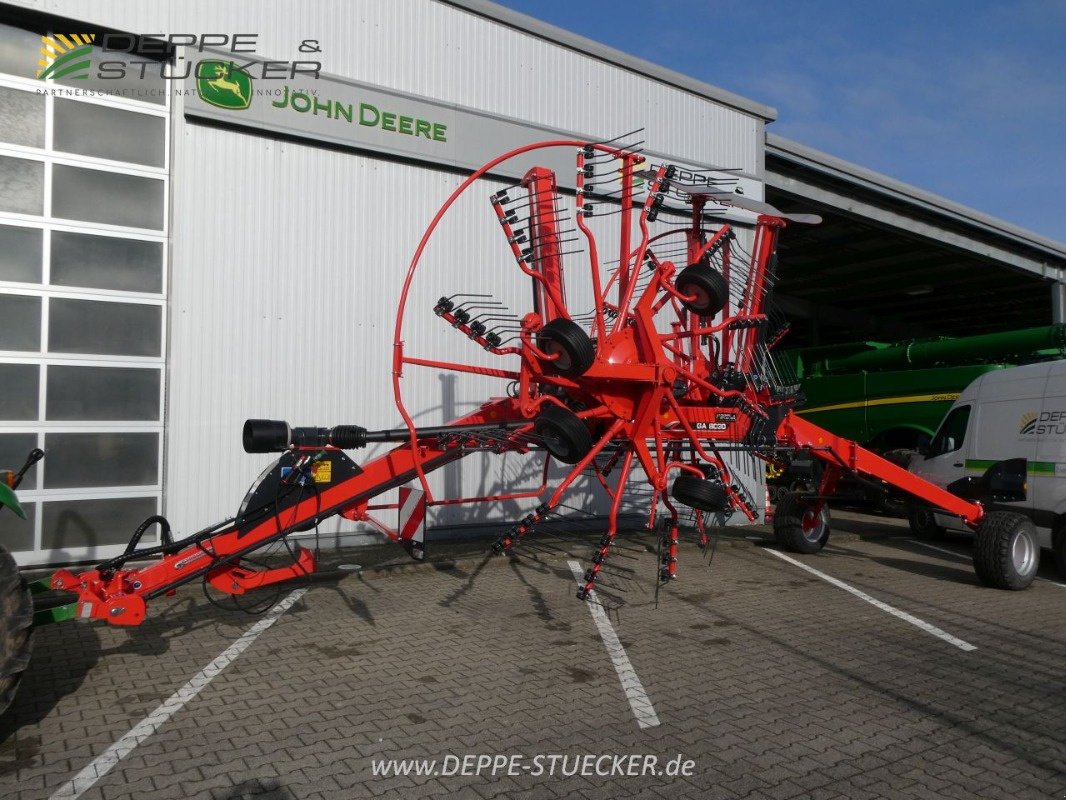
[(223, 82), (65, 56), (1045, 423)]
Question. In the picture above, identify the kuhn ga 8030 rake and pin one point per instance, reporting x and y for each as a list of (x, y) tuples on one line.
[(662, 373)]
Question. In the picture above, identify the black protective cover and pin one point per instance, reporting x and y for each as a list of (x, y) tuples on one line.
[(278, 488)]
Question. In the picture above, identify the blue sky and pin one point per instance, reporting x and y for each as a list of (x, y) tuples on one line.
[(965, 99)]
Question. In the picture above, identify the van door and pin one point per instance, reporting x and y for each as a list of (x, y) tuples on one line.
[(1007, 421), (1047, 472), (946, 460)]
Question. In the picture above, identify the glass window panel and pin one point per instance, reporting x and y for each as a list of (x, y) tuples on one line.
[(952, 431), (19, 51), (105, 262), (92, 326), (21, 117), (108, 197), (21, 185), (20, 254), (105, 132), (14, 447), (123, 76), (77, 460), (20, 322), (102, 393), (88, 523), (18, 391), (16, 533)]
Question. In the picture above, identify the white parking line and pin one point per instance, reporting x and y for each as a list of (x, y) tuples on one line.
[(631, 685), (964, 557), (895, 612), (106, 761)]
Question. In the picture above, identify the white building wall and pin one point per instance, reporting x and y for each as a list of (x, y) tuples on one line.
[(439, 51), (287, 259)]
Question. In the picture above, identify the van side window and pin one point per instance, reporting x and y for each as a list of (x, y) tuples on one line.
[(952, 432)]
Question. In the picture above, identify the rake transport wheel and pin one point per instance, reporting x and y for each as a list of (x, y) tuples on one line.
[(700, 494), (799, 525), (565, 436), (16, 634), (575, 350), (707, 286), (1005, 550)]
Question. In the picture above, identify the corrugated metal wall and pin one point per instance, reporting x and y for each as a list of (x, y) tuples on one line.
[(287, 259), (439, 51), (285, 309)]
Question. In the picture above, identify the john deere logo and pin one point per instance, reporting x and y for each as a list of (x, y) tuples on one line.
[(65, 55), (223, 84), (1028, 424)]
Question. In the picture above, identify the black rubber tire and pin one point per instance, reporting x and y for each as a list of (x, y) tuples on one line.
[(565, 436), (16, 628), (923, 524), (707, 284), (890, 505), (789, 529), (1005, 550), (568, 339), (1059, 543), (700, 494)]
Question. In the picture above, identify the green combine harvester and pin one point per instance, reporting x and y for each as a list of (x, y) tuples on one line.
[(892, 397)]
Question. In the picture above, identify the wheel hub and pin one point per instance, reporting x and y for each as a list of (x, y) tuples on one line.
[(812, 524), (1023, 554)]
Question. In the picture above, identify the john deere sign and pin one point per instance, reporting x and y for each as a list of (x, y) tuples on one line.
[(224, 85), (346, 112), (354, 114), (366, 114)]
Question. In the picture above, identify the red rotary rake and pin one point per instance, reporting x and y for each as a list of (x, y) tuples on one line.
[(664, 370)]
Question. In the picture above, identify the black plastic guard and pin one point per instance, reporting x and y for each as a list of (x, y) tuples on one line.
[(1004, 482), (281, 486)]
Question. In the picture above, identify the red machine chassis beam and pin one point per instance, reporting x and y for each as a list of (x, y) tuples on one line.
[(120, 597), (844, 453)]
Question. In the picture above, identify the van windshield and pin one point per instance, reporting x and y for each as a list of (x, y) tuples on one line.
[(952, 432)]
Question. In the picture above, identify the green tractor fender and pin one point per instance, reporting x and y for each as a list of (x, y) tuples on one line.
[(9, 499)]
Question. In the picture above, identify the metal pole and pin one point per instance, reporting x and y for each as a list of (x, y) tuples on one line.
[(1058, 302)]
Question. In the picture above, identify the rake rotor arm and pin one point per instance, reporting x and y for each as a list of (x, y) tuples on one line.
[(845, 454)]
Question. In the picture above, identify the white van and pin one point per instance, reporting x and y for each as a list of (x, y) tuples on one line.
[(1012, 413)]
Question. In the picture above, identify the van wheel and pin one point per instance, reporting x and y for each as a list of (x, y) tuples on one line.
[(1005, 552), (1060, 551), (798, 526), (923, 523), (16, 627)]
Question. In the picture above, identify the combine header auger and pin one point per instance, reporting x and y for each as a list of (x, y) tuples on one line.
[(663, 368)]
